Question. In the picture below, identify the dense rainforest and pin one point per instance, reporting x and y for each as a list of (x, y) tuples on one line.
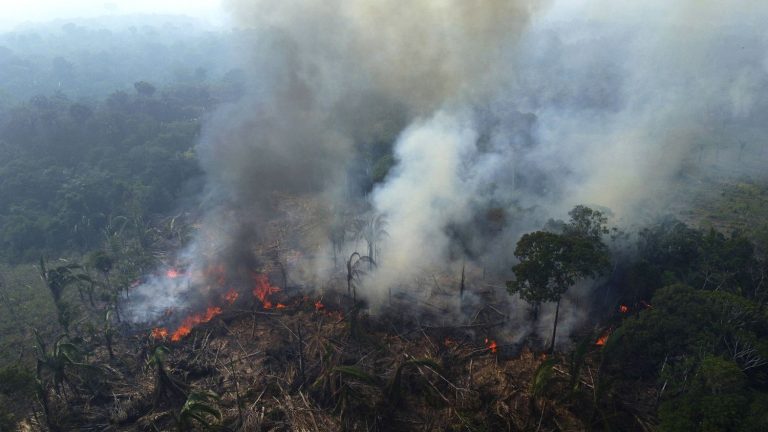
[(100, 186)]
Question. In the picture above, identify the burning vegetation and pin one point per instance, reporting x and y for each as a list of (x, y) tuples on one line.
[(308, 368), (603, 338), (231, 296), (371, 252), (307, 355), (257, 356), (263, 292), (492, 346)]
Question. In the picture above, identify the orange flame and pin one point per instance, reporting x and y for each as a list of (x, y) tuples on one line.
[(231, 296), (623, 309), (280, 306), (603, 339), (491, 344), (211, 313), (189, 322), (263, 289), (319, 305), (181, 332), (172, 273), (159, 333)]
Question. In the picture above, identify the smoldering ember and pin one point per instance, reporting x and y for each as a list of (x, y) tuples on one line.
[(432, 215)]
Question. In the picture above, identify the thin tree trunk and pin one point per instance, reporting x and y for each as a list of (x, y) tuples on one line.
[(301, 357), (370, 255), (108, 340), (554, 328), (109, 283), (117, 308), (283, 273)]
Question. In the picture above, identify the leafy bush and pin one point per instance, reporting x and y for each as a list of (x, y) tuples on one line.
[(716, 400)]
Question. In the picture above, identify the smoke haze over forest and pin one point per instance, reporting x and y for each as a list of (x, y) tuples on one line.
[(429, 136), (501, 115), (373, 215)]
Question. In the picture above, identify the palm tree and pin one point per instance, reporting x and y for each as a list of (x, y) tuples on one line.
[(338, 235), (394, 387), (56, 280), (200, 407), (104, 263), (373, 231), (391, 390), (58, 362), (5, 299), (354, 272), (109, 333), (165, 384), (541, 383), (175, 228)]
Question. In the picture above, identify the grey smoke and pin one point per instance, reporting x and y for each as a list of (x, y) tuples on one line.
[(503, 114)]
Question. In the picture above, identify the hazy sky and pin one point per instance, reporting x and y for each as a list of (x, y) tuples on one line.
[(25, 11)]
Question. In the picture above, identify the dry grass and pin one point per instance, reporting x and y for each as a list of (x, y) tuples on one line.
[(304, 369)]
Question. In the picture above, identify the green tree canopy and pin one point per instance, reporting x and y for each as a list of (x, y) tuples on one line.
[(550, 263)]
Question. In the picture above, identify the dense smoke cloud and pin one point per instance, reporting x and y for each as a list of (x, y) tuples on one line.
[(502, 113), (420, 53), (328, 76), (425, 192), (640, 91)]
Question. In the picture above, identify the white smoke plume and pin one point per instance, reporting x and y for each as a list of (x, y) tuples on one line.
[(426, 192)]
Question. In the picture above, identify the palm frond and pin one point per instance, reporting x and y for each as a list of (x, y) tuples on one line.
[(358, 374), (542, 377)]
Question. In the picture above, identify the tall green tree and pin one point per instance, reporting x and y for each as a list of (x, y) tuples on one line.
[(550, 263), (56, 280)]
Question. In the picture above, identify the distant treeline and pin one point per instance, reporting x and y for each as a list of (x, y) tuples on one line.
[(85, 59), (67, 168)]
